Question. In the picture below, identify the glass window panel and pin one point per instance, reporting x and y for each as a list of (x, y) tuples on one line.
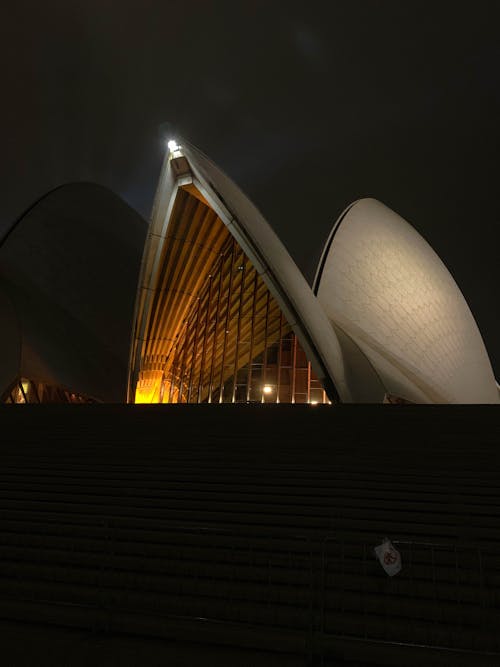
[(232, 339)]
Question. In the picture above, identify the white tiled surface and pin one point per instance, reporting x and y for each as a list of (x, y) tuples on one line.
[(386, 287)]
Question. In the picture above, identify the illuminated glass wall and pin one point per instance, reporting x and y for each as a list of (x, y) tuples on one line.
[(235, 345)]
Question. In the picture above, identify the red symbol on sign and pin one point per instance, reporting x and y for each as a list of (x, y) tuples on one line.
[(390, 557)]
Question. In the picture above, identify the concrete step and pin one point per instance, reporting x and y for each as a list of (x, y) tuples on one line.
[(261, 520)]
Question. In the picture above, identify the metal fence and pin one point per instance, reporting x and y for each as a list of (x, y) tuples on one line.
[(316, 592), (445, 596), (215, 575)]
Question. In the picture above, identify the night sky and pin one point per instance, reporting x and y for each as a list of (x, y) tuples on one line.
[(308, 106)]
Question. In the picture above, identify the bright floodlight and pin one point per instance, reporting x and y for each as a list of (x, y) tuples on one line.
[(173, 147), (267, 389)]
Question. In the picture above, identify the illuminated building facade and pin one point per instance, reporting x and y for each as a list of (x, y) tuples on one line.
[(208, 327), (205, 304)]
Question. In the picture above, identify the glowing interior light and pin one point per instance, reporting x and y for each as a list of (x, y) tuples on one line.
[(148, 387), (267, 389), (314, 402), (172, 146)]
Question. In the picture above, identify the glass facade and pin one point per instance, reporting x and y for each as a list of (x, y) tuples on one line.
[(27, 391), (233, 344)]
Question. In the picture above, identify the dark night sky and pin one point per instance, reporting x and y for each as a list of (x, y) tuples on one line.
[(307, 105)]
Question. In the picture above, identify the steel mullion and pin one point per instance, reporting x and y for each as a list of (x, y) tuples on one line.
[(205, 335), (252, 330), (217, 311), (195, 349), (228, 310), (308, 381), (20, 384), (278, 379), (266, 325), (238, 328), (294, 365)]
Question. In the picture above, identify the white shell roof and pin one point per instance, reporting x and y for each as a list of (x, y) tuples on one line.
[(273, 262), (384, 287)]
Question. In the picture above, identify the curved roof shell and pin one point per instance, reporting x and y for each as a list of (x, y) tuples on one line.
[(398, 310), (68, 272), (76, 277), (266, 252)]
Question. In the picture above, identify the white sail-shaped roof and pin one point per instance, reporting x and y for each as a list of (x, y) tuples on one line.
[(384, 317), (189, 166), (398, 310)]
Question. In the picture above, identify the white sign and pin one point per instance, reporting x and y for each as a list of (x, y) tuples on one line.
[(388, 557)]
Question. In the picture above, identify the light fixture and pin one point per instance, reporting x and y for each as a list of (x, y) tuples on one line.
[(267, 389), (174, 148), (314, 402)]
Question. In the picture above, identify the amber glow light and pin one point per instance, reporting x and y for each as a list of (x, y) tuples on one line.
[(148, 387)]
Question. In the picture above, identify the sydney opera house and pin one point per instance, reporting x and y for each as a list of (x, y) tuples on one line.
[(205, 305)]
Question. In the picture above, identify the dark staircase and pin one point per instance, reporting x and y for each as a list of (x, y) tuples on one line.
[(252, 528)]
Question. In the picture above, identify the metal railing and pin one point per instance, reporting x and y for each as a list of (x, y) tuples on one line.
[(440, 598), (446, 596)]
